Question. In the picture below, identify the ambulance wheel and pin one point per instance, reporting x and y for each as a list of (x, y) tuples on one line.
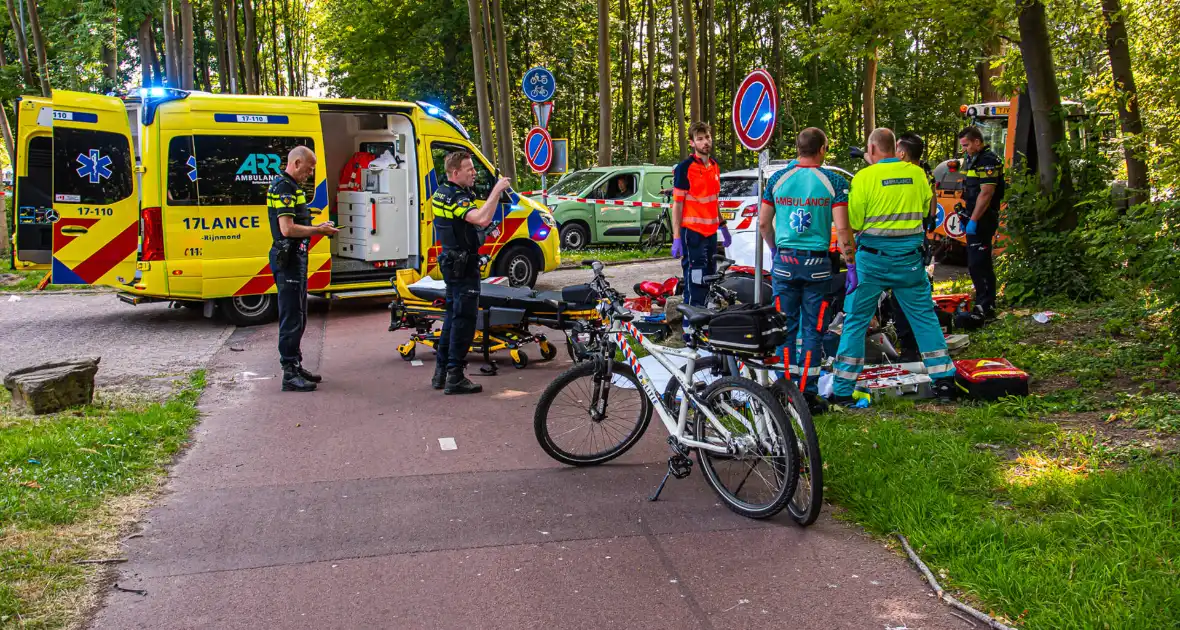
[(250, 310), (408, 350), (519, 265), (520, 360), (548, 350)]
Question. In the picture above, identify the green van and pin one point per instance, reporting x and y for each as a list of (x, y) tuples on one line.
[(583, 222)]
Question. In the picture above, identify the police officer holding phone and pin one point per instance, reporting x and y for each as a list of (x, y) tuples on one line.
[(457, 221), (291, 231)]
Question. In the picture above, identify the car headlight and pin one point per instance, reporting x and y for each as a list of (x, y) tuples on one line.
[(548, 219)]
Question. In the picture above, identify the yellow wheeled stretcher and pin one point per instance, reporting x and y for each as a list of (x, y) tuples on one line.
[(503, 320)]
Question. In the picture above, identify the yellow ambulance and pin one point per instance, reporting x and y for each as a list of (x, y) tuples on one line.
[(163, 195)]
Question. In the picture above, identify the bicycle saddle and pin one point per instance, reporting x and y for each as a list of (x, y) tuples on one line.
[(696, 315)]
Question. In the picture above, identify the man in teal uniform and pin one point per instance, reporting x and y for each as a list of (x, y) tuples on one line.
[(889, 198), (797, 212)]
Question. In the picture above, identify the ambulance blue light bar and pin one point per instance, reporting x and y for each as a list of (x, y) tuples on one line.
[(153, 97), (434, 111)]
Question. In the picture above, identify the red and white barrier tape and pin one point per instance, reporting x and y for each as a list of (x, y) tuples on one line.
[(628, 204)]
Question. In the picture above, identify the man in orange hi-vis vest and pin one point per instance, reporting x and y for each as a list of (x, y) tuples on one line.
[(696, 214)]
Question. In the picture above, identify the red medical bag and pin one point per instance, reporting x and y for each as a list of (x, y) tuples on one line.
[(989, 379)]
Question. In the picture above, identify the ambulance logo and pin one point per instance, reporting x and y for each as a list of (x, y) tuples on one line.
[(800, 221), (259, 168), (95, 166)]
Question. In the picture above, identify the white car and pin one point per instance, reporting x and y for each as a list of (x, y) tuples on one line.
[(739, 208)]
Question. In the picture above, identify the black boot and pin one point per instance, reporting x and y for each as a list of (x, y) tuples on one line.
[(293, 381), (457, 383), (308, 376), (816, 404), (439, 380)]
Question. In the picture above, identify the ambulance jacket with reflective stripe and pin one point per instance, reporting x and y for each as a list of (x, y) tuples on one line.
[(982, 168), (696, 184), (286, 198), (887, 204), (450, 204), (803, 198)]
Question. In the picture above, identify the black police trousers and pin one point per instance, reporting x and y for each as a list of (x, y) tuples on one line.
[(980, 265), (291, 283), (462, 308)]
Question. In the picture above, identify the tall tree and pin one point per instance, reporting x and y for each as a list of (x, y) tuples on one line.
[(251, 50), (604, 95), (232, 49), (170, 45), (650, 83), (494, 94), (8, 146), (481, 77), (626, 127), (988, 91), (186, 67), (22, 45), (223, 75), (694, 94), (39, 45), (677, 93), (508, 164), (274, 48), (1128, 98), (110, 57), (1045, 102), (288, 38), (711, 61)]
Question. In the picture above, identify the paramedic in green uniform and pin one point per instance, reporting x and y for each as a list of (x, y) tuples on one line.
[(798, 207), (889, 198)]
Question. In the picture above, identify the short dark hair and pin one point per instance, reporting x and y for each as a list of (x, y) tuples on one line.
[(971, 132), (699, 127), (912, 144), (810, 141), (454, 160)]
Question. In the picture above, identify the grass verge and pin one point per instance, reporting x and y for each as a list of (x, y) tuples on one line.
[(69, 484), (1058, 510), (19, 280), (609, 254)]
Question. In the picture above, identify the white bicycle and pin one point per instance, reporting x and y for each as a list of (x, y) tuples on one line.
[(600, 408)]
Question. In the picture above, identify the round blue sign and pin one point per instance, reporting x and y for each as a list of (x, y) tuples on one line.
[(538, 149), (754, 109), (539, 85)]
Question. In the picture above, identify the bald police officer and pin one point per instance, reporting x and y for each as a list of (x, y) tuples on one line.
[(291, 230)]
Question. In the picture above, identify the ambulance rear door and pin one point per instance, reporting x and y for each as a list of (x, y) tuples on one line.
[(96, 206), (33, 183)]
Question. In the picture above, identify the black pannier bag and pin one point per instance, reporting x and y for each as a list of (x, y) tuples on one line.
[(747, 330)]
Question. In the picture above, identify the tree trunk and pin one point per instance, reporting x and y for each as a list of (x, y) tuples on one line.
[(219, 41), (493, 78), (677, 93), (988, 91), (481, 77), (251, 49), (508, 167), (604, 95), (869, 103), (1124, 85), (694, 95), (170, 44), (652, 63), (288, 38), (1045, 102), (7, 132), (231, 41), (711, 60), (110, 56), (22, 45), (625, 9), (274, 48), (186, 66), (39, 44), (732, 39)]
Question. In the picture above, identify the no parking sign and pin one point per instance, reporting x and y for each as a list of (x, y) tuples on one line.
[(755, 107), (538, 149)]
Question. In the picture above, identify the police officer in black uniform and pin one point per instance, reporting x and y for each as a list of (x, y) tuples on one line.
[(983, 191), (291, 231), (456, 218)]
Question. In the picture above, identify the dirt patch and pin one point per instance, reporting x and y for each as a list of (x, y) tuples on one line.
[(1118, 435), (9, 279)]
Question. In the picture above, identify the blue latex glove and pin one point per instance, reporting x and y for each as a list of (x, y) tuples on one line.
[(972, 226), (850, 280), (726, 241), (677, 248), (773, 253)]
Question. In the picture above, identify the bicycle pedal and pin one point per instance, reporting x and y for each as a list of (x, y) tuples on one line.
[(679, 466)]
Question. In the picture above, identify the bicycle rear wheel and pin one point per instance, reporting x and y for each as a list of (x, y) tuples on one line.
[(809, 493), (585, 418), (759, 479)]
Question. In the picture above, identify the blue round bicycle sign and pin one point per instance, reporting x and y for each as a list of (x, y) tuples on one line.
[(754, 109), (539, 85)]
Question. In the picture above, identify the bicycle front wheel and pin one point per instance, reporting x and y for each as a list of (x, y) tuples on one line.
[(758, 479), (809, 492), (587, 417)]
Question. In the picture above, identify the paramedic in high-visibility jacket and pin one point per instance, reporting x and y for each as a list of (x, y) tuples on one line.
[(888, 200), (291, 231), (799, 205), (696, 215), (456, 217)]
